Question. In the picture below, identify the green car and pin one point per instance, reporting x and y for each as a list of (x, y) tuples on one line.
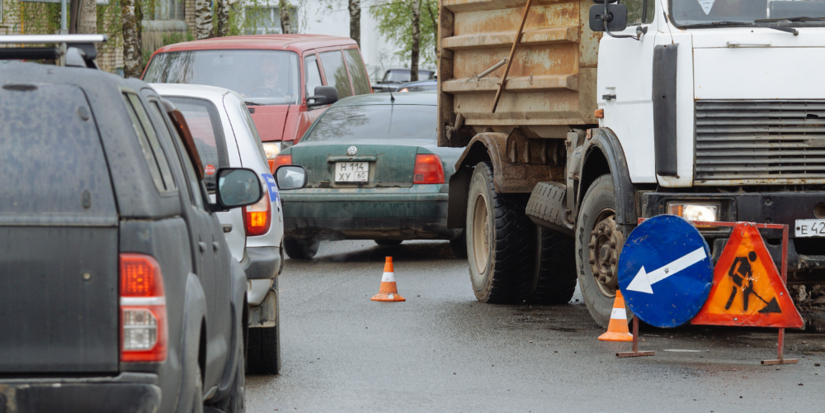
[(374, 172)]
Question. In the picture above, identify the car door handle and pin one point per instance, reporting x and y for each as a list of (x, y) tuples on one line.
[(215, 245), (227, 228), (202, 246)]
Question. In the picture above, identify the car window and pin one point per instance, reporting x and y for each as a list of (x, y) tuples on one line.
[(336, 72), (193, 184), (161, 176), (313, 75), (207, 131), (384, 122), (636, 11), (360, 80)]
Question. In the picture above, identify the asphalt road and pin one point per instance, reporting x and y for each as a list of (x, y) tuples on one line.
[(442, 351)]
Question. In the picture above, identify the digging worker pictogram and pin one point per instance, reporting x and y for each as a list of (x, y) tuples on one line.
[(742, 274)]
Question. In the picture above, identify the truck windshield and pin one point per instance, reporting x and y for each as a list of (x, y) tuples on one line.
[(731, 12), (262, 77)]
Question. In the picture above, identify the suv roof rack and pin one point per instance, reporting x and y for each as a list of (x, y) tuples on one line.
[(76, 50)]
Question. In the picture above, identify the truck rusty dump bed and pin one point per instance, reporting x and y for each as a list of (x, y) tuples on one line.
[(551, 84)]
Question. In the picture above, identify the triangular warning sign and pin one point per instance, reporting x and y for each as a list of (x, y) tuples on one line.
[(747, 290)]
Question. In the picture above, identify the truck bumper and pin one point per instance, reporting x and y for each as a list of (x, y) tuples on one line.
[(126, 393), (806, 262)]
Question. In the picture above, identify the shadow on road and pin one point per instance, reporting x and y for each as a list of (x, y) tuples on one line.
[(408, 251)]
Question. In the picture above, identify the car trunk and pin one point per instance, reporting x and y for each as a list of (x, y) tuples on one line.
[(58, 236), (389, 165)]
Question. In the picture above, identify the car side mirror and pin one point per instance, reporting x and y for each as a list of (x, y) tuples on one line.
[(290, 177), (238, 187), (614, 19), (324, 95)]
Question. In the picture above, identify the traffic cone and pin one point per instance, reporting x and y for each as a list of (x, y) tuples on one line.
[(388, 291), (617, 329)]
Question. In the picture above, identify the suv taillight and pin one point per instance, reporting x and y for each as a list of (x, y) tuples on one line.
[(258, 217), (143, 323), (428, 169)]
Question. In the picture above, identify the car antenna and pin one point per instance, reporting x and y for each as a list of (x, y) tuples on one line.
[(392, 98)]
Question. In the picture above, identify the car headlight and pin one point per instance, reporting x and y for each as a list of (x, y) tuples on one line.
[(272, 149), (695, 211)]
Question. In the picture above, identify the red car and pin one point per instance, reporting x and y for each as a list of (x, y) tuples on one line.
[(286, 80)]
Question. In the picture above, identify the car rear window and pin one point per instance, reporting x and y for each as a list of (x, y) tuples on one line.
[(375, 122), (51, 160), (205, 124)]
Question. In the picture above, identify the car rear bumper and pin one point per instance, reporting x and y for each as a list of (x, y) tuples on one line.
[(126, 393), (262, 262), (392, 213)]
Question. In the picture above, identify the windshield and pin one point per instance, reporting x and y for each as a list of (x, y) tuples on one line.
[(262, 77), (707, 12), (403, 76), (375, 122)]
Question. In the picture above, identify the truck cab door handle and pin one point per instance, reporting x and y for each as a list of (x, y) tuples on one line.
[(202, 246)]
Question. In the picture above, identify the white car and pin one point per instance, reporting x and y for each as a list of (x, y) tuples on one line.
[(226, 137)]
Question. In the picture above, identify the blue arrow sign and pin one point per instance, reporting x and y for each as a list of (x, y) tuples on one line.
[(665, 271)]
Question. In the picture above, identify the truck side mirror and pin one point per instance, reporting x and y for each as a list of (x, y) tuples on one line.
[(614, 19), (324, 95)]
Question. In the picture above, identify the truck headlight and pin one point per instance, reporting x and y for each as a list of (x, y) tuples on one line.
[(272, 149), (695, 211)]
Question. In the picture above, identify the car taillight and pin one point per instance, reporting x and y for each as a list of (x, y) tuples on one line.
[(142, 309), (428, 169), (257, 217), (280, 160), (404, 90)]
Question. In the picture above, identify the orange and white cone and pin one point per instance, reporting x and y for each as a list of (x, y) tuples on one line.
[(388, 290), (617, 329)]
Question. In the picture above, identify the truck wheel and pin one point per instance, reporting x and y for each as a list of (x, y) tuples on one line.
[(554, 275), (388, 242), (234, 401), (459, 245), (301, 248), (501, 241), (599, 242)]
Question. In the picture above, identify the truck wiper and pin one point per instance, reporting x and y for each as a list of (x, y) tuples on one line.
[(746, 24), (791, 19)]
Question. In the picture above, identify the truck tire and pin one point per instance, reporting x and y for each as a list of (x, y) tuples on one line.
[(599, 242), (501, 241), (554, 275), (301, 248)]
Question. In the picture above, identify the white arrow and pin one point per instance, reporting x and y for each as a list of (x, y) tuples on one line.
[(643, 280)]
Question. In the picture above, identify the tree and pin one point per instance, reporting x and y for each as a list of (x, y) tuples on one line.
[(130, 15), (286, 20), (355, 21), (395, 18), (83, 17), (223, 18), (203, 19), (416, 39)]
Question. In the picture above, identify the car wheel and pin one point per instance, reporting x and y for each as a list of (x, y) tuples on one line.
[(554, 275), (500, 240), (459, 245), (301, 248), (388, 242), (234, 400), (264, 354), (599, 242)]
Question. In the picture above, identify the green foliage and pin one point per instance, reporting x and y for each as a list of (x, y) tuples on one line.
[(167, 39), (395, 23)]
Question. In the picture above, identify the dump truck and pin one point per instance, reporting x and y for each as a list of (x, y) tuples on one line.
[(579, 118)]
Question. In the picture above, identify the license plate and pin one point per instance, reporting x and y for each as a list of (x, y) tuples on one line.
[(809, 228), (352, 171)]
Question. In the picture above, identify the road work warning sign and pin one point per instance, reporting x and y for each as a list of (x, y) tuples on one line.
[(747, 289)]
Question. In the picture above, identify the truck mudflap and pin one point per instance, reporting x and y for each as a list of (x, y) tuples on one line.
[(546, 207), (265, 314)]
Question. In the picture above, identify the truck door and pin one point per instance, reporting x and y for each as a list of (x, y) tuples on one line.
[(625, 79)]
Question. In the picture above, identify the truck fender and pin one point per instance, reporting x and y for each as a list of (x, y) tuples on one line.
[(484, 146), (603, 154), (195, 313), (238, 308)]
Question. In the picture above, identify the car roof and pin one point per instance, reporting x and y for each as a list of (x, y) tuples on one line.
[(292, 42), (190, 90), (429, 98), (420, 82)]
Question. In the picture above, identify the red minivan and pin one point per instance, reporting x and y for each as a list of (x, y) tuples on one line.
[(277, 75)]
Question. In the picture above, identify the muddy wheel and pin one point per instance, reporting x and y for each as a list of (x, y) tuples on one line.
[(388, 242), (554, 275), (500, 241), (599, 242), (301, 248)]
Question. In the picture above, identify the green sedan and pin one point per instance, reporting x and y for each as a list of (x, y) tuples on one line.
[(374, 171)]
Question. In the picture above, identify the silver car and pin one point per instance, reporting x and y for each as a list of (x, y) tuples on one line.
[(226, 137)]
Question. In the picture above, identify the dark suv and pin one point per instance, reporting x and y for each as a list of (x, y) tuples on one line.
[(117, 289)]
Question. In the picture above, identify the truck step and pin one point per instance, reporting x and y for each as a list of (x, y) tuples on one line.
[(546, 207)]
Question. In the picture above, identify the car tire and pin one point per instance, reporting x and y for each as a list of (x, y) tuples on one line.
[(301, 248), (599, 242), (459, 245), (554, 275), (264, 354), (234, 400), (501, 241), (388, 242)]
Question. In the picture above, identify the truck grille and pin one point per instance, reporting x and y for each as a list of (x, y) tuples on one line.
[(760, 141)]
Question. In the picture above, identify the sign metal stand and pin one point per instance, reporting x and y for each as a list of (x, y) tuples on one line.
[(635, 352)]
